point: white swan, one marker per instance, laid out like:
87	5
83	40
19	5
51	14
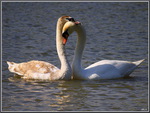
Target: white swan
105	69
44	70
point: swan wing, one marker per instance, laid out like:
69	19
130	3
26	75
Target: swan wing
109	69
33	69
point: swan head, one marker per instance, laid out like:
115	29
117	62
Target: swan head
63	19
68	29
60	24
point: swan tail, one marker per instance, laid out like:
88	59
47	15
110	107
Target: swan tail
12	67
136	64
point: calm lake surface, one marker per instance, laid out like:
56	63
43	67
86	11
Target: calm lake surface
115	30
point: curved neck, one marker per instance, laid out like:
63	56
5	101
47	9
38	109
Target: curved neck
65	67
77	66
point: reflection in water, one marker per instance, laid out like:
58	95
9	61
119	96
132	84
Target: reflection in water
77	95
61	95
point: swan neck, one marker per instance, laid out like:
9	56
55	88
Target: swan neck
79	48
65	67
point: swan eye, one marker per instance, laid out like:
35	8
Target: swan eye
70	19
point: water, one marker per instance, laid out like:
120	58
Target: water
115	30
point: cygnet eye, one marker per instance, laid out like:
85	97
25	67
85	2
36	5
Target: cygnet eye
70	19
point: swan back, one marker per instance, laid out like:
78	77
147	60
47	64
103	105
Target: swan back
110	69
33	69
